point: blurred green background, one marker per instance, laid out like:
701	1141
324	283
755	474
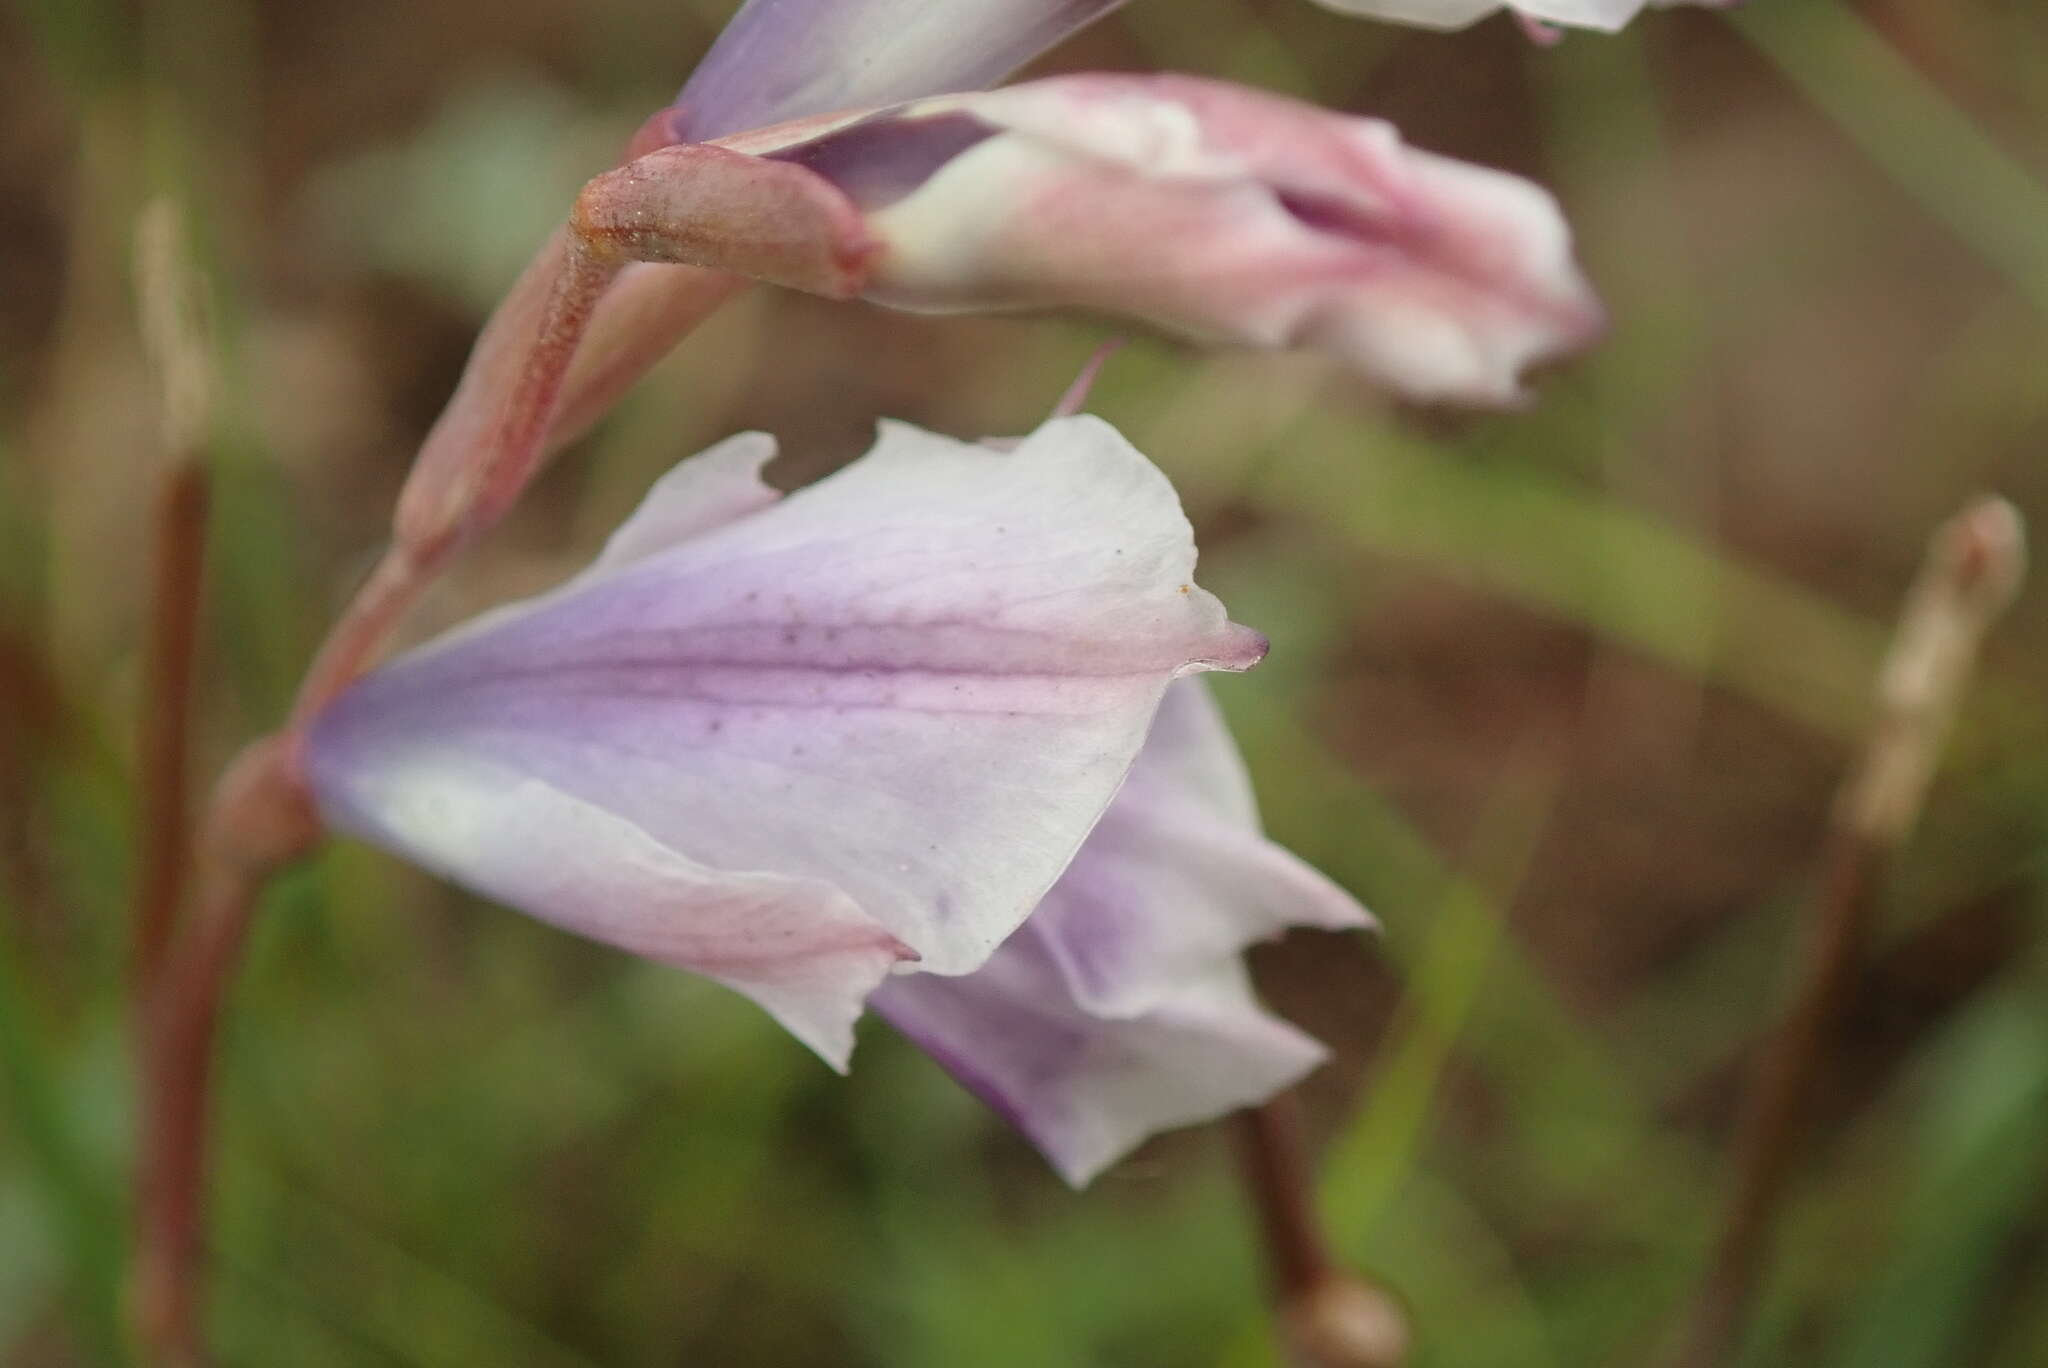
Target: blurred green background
1562	694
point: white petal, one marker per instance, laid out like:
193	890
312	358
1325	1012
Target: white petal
719	485
799	947
1604	15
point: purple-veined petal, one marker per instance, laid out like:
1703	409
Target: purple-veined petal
787	59
915	685
1217	212
1086	1089
1122	1008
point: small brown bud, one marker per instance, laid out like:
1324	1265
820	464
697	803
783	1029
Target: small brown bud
1346	1322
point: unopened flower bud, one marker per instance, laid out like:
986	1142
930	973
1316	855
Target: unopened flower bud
1213	212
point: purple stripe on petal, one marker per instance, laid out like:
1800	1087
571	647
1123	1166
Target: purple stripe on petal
913	686
788	59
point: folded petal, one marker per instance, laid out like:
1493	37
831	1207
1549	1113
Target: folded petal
917	682
1122	1007
1177	876
1086	1089
1216	212
786	59
799	947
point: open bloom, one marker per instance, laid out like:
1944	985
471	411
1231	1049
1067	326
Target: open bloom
797	743
1122	1007
1203	208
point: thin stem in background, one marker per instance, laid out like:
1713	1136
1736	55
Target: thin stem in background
1973	569
164	743
174	336
178	1057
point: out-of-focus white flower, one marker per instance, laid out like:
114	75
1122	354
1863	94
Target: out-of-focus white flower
1608	16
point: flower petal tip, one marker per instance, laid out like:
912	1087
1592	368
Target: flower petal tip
1239	649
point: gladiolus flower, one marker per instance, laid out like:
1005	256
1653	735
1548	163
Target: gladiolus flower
796	743
1122	1007
1206	209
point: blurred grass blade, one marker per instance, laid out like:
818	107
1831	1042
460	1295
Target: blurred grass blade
1905	125
1372	1156
1538	539
76	1196
1986	1129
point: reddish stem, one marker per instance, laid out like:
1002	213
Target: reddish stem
177	1096
1273	1154
438	516
164	745
1775	1117
1972	570
261	819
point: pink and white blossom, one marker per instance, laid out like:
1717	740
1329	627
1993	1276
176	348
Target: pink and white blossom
1211	211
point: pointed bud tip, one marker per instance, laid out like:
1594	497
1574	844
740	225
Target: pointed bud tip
1986	545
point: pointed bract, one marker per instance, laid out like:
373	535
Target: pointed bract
1122	1007
790	743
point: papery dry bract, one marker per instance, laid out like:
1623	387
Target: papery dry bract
1122	1007
793	743
1216	212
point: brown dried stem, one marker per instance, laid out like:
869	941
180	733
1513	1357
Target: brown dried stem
178	1067
1972	570
175	339
1278	1178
